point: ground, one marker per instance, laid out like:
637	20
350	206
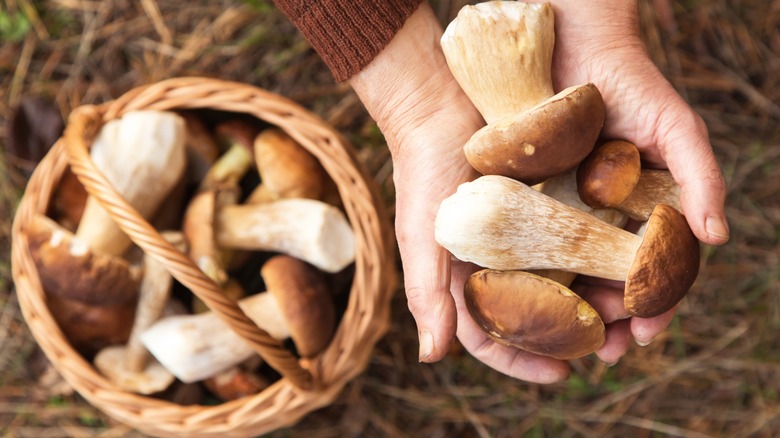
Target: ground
714	372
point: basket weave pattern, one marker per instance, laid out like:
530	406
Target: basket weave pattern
302	388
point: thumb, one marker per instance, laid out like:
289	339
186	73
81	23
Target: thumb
426	267
682	139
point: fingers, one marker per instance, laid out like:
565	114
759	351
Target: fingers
426	277
646	329
682	138
617	343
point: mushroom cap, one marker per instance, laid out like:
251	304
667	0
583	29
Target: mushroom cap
152	379
665	266
608	175
533	313
542	141
286	168
91	328
303	300
69	268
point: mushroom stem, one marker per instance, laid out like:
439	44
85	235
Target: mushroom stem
499	223
195	347
142	147
655	186
501	55
304	228
153	298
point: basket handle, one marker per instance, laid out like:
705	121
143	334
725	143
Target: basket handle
83	123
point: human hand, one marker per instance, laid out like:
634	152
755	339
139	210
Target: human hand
599	42
426	119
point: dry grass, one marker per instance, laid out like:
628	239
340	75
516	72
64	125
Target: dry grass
715	372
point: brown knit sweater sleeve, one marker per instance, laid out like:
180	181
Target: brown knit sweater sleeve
348	34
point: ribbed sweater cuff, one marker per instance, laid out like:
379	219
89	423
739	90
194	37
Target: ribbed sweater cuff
348	34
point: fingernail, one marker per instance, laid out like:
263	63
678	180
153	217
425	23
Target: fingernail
717	227
426	346
643	343
610	364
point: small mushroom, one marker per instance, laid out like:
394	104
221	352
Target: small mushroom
499	223
139	149
297	305
130	366
533	313
310	230
501	55
611	177
288	170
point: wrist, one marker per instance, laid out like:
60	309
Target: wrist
409	83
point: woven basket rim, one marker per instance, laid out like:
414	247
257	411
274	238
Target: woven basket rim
364	322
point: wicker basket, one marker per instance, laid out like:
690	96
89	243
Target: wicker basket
303	386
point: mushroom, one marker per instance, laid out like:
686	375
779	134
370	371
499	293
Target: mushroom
501	55
130	366
533	313
201	146
499	223
311	230
611	176
296	305
70	269
141	148
288	170
536	311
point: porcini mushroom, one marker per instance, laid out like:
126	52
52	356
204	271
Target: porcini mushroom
130	366
297	305
70	269
311	230
288	170
501	55
499	223
611	176
138	149
533	313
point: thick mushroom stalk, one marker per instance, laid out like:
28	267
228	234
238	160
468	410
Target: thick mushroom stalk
297	305
500	53
139	149
130	366
611	176
499	223
310	230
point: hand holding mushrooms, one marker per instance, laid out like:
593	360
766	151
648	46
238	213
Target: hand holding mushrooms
592	42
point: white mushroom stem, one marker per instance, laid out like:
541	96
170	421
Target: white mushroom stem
195	347
500	52
563	188
143	156
310	230
655	186
499	223
129	366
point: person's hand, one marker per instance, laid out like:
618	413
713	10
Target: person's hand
426	119
599	42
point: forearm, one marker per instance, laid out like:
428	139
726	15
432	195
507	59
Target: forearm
409	81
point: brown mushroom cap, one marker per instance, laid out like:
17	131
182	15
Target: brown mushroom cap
69	268
608	175
533	313
543	141
304	301
665	267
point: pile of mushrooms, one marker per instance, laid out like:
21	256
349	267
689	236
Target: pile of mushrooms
253	209
554	198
